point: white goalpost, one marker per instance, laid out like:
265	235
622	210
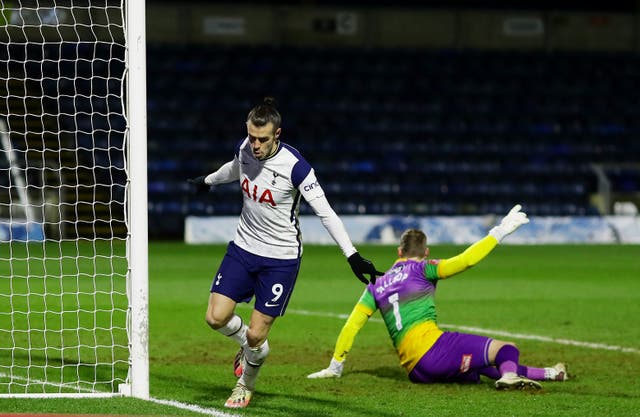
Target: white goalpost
73	199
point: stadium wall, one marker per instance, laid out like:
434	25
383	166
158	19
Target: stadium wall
440	229
372	26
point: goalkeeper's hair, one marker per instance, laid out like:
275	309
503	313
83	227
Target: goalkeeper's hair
265	113
413	243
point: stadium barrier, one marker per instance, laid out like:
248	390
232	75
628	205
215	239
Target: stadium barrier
440	229
20	231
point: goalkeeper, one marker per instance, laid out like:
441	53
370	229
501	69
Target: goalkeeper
405	297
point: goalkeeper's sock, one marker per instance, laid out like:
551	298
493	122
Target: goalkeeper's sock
235	329
555	373
537	374
507	359
254	358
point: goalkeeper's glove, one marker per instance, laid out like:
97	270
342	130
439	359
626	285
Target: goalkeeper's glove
200	185
333	371
509	223
361	266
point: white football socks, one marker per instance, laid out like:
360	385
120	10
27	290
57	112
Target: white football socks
235	329
550	374
254	358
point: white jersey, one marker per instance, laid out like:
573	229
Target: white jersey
271	189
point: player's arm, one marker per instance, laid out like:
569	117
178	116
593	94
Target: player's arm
228	172
357	319
314	195
471	256
476	252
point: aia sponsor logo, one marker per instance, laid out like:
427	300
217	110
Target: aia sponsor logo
465	365
254	193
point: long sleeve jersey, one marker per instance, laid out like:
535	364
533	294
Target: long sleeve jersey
272	188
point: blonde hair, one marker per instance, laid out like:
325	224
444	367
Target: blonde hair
413	243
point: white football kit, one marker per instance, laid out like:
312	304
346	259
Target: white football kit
271	189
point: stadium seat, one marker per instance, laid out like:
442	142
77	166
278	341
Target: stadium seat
398	131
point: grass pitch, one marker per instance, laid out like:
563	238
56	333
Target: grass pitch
577	304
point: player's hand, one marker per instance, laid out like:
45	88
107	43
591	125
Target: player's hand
514	219
333	371
200	185
361	266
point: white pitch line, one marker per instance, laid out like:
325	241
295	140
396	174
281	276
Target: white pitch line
78	388
191	407
88	393
547	339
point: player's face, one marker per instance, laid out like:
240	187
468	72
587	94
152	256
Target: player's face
264	139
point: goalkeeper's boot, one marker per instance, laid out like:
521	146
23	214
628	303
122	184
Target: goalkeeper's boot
560	372
240	397
238	363
512	381
325	373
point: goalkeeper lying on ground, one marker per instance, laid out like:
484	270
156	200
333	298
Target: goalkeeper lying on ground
405	297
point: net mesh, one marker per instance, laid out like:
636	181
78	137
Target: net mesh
63	228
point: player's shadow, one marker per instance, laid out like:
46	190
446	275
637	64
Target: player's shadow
297	406
398	374
389	372
203	392
213	395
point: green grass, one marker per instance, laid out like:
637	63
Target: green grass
584	293
84	280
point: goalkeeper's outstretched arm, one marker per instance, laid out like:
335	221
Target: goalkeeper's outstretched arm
476	252
357	319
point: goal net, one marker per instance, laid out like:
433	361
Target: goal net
73	279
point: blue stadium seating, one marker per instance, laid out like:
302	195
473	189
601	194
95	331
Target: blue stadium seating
403	131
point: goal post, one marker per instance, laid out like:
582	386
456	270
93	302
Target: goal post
138	254
74	282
